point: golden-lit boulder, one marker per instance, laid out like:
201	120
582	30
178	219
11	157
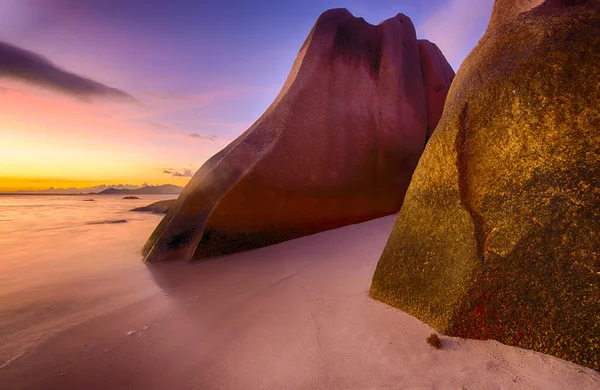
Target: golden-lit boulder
499	234
338	145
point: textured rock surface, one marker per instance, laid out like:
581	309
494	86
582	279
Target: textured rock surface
338	145
499	235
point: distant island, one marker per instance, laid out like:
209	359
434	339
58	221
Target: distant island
166	189
160	207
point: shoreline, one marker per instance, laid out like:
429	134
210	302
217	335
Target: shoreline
295	315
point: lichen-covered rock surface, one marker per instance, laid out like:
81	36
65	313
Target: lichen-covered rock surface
499	234
338	145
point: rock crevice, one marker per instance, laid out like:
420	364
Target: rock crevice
462	165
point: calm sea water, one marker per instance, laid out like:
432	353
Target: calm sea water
64	260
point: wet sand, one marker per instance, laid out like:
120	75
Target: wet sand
291	316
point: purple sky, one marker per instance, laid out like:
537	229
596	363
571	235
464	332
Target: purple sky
205	67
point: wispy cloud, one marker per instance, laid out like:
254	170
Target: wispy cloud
457	27
207	137
25	65
167	96
159	125
158	104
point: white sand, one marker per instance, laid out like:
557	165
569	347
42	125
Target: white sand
291	316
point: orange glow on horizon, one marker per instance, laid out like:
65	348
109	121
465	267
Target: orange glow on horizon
51	140
8	184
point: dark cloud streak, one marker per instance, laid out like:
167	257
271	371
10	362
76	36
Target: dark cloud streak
28	66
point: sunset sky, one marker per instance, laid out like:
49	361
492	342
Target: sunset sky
138	91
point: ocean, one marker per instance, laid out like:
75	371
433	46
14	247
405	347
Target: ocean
64	260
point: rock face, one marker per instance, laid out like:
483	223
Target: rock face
338	145
499	234
437	75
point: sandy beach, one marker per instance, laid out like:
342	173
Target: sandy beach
291	316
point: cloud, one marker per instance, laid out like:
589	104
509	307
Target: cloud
457	27
185	173
211	138
28	66
159	125
168	172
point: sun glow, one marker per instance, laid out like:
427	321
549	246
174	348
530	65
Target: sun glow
49	140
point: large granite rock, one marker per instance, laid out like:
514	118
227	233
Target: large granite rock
499	234
337	146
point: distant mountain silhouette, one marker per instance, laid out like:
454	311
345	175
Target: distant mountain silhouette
167	189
